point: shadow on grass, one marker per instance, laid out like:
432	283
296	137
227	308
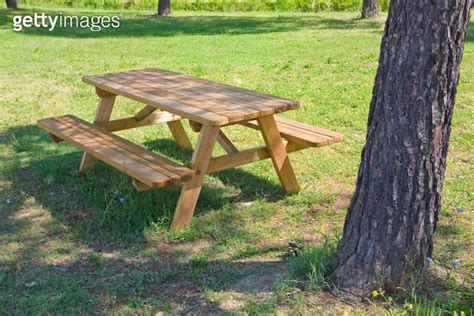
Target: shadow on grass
250	185
89	276
138	26
43	176
448	229
89	202
470	31
95	283
437	295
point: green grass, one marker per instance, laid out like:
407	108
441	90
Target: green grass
68	247
214	5
310	267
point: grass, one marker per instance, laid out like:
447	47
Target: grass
310	267
68	247
215	5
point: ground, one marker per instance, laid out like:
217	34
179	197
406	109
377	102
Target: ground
67	246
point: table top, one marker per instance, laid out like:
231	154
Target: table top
200	100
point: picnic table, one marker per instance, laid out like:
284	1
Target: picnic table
170	97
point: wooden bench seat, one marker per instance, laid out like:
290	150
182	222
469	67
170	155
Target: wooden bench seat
148	169
300	133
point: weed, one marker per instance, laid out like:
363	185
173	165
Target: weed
310	267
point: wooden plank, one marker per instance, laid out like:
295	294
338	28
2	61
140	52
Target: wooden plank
178	108
161	164
103	93
161	88
158	164
226	143
223	95
131	122
190	191
297	135
208	95
140	186
103	113
179	134
71	124
251	96
277	152
233	97
161	73
145	112
238	159
116	158
55	138
247	156
292	147
234	113
195	126
314	129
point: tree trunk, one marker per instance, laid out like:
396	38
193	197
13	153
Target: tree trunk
12	4
164	7
388	231
370	9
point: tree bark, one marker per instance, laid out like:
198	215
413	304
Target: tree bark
370	9
164	7
388	231
12	4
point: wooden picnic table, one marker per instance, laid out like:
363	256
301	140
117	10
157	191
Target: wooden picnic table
170	97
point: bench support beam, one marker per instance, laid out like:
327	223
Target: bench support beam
247	156
140	186
55	138
175	126
226	143
131	122
222	138
145	112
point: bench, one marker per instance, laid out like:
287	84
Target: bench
300	133
148	169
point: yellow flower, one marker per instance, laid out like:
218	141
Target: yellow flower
409	306
375	293
462	313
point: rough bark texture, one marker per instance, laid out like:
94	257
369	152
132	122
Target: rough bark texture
12	4
370	9
393	214
164	7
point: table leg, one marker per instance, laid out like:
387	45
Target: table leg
278	153
103	113
190	191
